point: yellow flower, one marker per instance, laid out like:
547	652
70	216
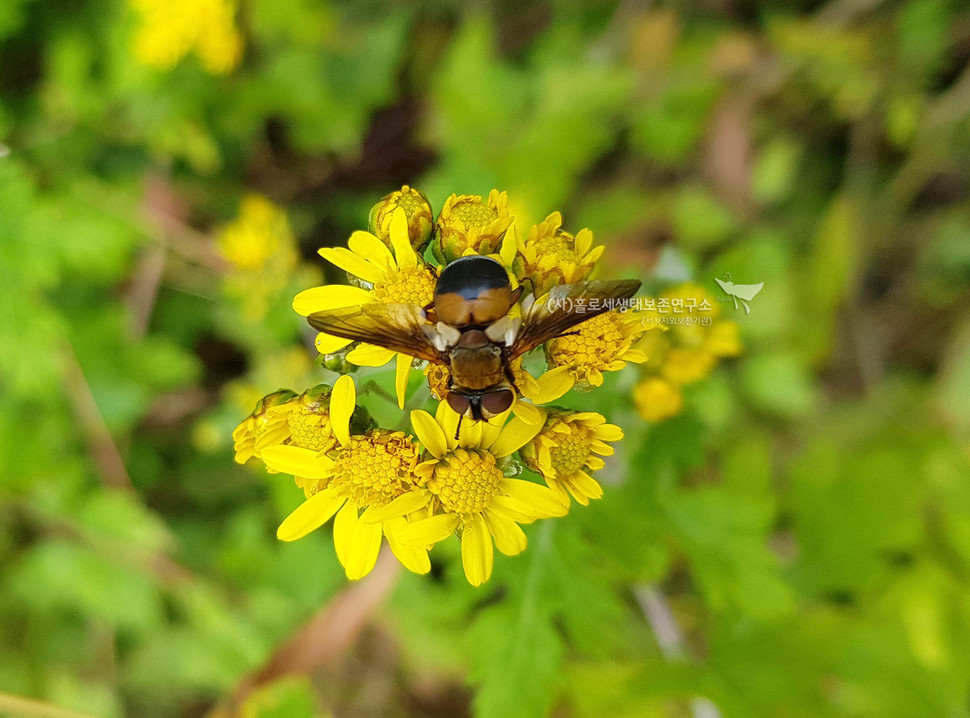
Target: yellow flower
260	233
657	399
549	257
400	277
367	471
565	447
256	425
466	491
688	352
417	209
261	251
467	223
603	343
168	30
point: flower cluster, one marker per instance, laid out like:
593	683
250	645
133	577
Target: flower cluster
260	250
686	353
168	31
442	475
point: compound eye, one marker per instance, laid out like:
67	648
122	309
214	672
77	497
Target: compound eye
495	402
459	402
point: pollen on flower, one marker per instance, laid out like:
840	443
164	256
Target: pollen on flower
310	429
376	467
465	481
598	345
474	214
406	286
438	376
572	451
467	222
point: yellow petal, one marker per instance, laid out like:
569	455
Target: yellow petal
529	413
369	355
510	508
414	559
581	485
343	399
401	378
428	532
510	244
476	550
510	539
328	344
634	355
332	296
447	418
471	433
553	384
608	432
357	542
406	258
371	248
352	264
594	255
429	433
601	447
296	461
516	434
584	240
311	514
492	428
530	498
272	437
406	503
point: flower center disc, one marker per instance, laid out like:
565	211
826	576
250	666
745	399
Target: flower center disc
407	286
465	481
473	214
376	468
571	453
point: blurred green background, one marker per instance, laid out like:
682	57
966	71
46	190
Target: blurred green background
795	543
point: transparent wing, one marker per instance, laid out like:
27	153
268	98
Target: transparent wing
398	327
568	305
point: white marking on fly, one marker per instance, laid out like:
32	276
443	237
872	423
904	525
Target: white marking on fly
504	330
448	336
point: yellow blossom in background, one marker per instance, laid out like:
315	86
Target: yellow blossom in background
657	399
548	257
168	30
695	341
381	275
260	249
566	448
466	222
466	491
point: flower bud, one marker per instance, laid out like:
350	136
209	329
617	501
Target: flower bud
468	223
418	211
549	256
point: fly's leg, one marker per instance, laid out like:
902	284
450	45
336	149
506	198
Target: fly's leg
511	377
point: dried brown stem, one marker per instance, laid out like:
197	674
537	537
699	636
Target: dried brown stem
101	445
